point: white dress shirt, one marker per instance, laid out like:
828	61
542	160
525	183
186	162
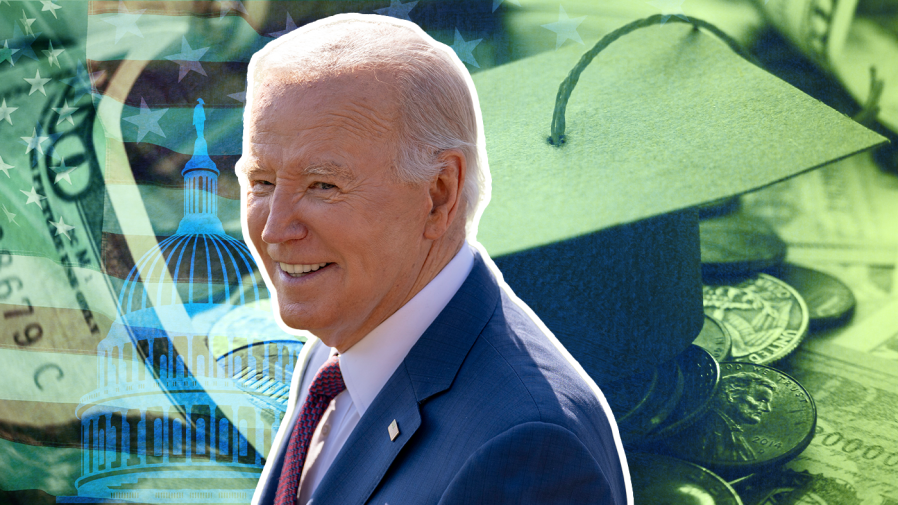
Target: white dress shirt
369	364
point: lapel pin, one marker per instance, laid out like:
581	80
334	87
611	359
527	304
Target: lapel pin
394	430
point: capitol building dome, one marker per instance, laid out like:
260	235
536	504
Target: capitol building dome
172	420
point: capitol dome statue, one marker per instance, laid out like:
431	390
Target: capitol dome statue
192	379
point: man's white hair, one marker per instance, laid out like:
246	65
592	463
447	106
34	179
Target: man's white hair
439	109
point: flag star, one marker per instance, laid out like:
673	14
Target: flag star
240	97
10	215
62	173
125	22
228	6
22	44
291	25
50	6
62	228
65	113
397	9
565	28
188	59
464	50
84	83
6	112
35	141
37	83
5	167
147	121
496	3
53	55
6	53
27	22
33	197
669	8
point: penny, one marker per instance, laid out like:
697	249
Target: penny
715	339
766	318
662	480
759	417
830	302
700	373
736	244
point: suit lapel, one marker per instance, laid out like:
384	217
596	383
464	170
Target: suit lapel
429	368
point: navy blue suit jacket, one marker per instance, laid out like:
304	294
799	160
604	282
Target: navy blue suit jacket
489	411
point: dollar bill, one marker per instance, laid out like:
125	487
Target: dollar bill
847	37
853	457
841	213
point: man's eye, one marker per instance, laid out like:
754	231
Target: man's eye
323	185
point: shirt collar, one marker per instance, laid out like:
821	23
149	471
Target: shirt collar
369	364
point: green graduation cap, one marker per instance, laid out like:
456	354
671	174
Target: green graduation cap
596	230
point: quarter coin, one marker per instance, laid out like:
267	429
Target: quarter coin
766	318
715	339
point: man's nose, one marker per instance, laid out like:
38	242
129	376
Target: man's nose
284	222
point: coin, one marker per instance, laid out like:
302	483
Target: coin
657	407
766	318
700	373
737	244
642	401
628	395
759	417
830	302
662	480
715	339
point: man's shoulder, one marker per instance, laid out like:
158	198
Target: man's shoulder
534	372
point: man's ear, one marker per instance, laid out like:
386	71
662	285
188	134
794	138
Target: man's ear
445	194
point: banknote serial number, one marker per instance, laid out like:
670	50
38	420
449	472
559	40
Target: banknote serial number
32	332
835	440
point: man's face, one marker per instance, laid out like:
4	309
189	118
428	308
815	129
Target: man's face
748	407
321	196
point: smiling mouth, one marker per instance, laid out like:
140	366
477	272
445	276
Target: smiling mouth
300	270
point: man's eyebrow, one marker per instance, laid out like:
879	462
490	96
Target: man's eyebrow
328	169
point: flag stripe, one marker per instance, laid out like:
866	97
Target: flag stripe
153	165
155	78
225	39
31	327
223	133
33	423
165	208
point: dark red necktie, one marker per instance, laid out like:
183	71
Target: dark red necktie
328	383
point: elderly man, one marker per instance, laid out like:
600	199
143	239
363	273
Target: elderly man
429	381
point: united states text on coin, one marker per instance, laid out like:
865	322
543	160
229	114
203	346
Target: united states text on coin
758	417
766	318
